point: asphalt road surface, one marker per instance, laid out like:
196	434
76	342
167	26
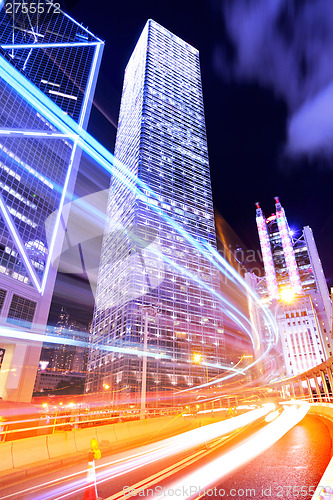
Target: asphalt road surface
289	469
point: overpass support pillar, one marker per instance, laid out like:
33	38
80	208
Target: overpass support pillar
18	371
315	377
323	378
301	390
330	378
309	389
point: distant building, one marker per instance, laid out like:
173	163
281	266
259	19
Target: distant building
47	380
296	291
48	66
66	357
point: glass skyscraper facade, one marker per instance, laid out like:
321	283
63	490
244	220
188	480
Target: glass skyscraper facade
49	65
149	270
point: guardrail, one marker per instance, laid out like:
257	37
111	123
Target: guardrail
24	453
51	422
316	384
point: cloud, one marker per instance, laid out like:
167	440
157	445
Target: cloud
311	127
287	46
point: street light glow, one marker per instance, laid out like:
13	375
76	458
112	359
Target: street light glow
287	294
197	358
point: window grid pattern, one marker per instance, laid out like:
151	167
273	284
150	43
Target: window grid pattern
33	168
61	73
21	311
32	174
2	297
162	139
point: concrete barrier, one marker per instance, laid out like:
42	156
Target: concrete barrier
122	431
322	409
6	461
61	444
82	438
28	451
106	435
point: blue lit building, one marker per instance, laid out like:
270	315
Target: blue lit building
148	271
50	62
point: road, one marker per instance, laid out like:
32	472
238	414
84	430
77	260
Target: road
298	459
290	468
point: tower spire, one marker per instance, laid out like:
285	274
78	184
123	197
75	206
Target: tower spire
287	247
267	256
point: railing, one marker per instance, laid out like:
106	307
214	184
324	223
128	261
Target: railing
316	384
60	419
50	422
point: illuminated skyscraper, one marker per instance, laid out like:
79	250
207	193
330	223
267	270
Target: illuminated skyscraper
296	288
48	63
145	261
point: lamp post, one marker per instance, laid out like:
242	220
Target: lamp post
106	388
144	369
198	358
152	310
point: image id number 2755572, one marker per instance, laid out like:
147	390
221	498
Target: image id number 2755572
46	7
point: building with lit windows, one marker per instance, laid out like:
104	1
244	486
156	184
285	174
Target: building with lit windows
148	270
295	287
70	356
49	65
59	382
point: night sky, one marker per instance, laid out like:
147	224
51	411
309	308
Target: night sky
267	79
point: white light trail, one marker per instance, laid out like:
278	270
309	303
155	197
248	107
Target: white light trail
208	475
153	453
106	160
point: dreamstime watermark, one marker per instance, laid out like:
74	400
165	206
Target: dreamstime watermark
244	261
85	231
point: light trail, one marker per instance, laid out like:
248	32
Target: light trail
222	264
40	337
167	447
226	377
106	160
52	339
206	476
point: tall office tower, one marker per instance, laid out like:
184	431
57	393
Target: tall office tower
297	290
49	65
146	262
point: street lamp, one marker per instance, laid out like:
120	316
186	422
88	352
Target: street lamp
106	387
287	294
198	358
154	311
